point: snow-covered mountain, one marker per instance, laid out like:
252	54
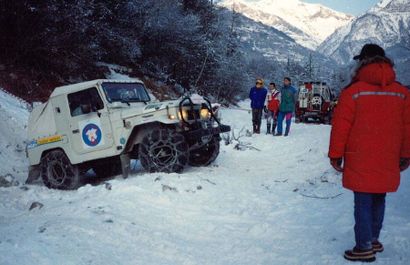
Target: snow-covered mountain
386	24
309	24
272	53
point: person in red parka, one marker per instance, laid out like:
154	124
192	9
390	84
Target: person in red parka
371	138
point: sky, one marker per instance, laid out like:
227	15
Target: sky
354	7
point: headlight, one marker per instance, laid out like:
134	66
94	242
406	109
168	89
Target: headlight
204	113
183	114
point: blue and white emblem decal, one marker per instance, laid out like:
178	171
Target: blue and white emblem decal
92	135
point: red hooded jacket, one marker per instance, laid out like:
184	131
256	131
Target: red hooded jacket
371	129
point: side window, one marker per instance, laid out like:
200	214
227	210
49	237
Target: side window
84	102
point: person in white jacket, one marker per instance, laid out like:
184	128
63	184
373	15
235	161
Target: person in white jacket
272	108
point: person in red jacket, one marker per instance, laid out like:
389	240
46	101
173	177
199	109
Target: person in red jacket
272	108
371	138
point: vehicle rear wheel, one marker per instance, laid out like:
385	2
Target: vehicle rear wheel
57	171
109	169
205	155
298	119
163	150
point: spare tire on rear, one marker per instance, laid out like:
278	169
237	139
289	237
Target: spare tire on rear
163	150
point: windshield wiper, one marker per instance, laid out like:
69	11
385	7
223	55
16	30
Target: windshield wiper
126	102
139	100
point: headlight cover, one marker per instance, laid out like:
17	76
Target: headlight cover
183	114
204	113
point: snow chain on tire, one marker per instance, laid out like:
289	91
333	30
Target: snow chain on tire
57	171
205	155
163	150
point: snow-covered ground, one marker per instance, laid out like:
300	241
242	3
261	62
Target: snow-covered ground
250	207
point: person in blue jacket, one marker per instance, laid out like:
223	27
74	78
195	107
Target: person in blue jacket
287	106
258	96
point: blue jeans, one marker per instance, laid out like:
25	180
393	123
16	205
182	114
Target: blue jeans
368	215
281	117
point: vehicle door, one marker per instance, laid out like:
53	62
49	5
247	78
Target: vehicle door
89	124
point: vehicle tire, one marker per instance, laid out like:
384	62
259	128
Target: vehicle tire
110	169
163	150
317	102
297	119
57	171
205	155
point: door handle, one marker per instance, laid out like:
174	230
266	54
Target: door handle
76	131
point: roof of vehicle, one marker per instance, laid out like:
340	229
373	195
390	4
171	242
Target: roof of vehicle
63	90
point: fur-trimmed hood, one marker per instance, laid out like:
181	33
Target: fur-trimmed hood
375	71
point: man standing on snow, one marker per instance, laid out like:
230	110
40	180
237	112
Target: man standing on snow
371	134
257	96
272	108
287	106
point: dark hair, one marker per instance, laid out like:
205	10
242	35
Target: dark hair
272	83
288	78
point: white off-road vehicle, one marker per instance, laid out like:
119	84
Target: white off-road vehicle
103	124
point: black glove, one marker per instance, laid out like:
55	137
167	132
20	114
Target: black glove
265	109
337	164
404	163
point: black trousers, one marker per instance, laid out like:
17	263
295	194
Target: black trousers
257	117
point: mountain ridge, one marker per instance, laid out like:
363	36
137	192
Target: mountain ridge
385	24
309	24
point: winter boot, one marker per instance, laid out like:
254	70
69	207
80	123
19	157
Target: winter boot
268	128
258	129
254	128
273	128
377	247
360	255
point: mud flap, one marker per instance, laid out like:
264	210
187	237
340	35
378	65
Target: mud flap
34	173
125	165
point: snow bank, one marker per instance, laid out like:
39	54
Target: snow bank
249	207
13	119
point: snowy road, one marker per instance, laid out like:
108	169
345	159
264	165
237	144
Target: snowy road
250	207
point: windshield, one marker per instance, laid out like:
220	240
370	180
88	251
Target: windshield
125	92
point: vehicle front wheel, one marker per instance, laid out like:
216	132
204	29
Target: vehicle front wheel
57	171
163	150
205	155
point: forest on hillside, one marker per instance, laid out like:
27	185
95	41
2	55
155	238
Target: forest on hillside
176	43
172	45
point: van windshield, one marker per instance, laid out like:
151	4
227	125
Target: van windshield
125	92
